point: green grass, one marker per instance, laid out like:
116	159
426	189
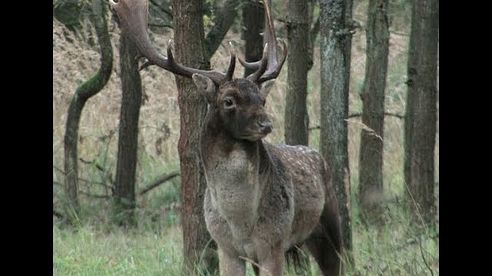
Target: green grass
93	251
390	250
398	247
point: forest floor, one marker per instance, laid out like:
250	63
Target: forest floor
396	248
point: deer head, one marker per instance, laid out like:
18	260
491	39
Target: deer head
238	102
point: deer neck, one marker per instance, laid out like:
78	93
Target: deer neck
233	169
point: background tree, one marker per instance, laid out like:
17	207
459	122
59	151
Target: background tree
223	22
298	34
335	46
421	109
85	91
126	166
253	23
189	35
68	12
371	145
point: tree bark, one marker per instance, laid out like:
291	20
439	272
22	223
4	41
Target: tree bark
254	21
126	166
190	51
335	40
421	109
88	89
371	146
298	34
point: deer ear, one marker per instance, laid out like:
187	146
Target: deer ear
266	87
205	86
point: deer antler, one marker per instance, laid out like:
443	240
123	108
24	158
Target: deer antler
268	67
133	18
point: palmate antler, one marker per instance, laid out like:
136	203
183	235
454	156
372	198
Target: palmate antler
133	18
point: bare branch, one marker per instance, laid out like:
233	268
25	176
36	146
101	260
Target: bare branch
59	170
423	257
80	179
93	195
398	33
160	25
99	167
159	181
354	115
399	116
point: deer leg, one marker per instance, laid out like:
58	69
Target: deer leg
325	252
272	263
230	265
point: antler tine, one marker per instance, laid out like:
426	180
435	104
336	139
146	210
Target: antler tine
232	63
249	65
262	66
273	66
274	70
133	17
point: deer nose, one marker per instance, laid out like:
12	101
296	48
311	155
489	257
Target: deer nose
265	126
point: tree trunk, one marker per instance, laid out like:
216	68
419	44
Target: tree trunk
335	37
254	21
224	20
421	109
126	166
298	33
82	94
371	145
190	51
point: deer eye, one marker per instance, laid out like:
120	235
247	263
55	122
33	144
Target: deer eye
229	103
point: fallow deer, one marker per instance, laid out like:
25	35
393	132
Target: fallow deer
262	201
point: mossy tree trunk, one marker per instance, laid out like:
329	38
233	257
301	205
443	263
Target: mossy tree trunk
126	165
85	91
371	145
335	40
421	110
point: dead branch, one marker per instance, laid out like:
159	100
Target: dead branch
158	182
93	195
354	115
87	162
399	116
423	257
81	179
398	33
